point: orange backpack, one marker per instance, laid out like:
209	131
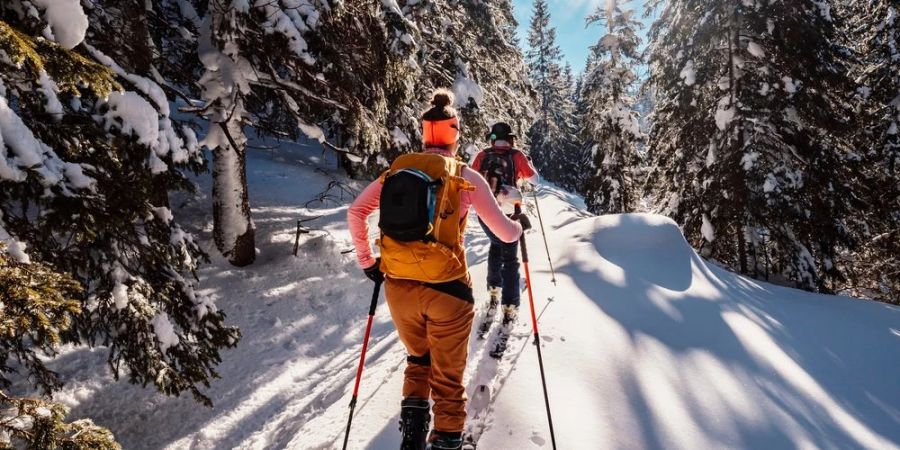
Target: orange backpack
434	253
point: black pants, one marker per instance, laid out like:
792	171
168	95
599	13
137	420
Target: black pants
503	267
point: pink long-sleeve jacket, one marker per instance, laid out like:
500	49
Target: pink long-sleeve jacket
481	199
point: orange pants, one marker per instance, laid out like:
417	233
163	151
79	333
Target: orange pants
436	326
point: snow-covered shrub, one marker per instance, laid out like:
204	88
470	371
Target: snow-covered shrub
38	424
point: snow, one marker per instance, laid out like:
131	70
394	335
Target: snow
120	295
165	332
154	129
707	230
67	21
163	213
790	86
13	246
465	88
400	138
292	20
15	136
724	114
824	9
76	177
749	160
711	154
688	74
133	114
770	184
645	344
756	50
30	153
864	91
49	89
311	131
626	118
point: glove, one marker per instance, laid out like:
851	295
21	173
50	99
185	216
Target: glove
374	272
523	219
509	194
508	198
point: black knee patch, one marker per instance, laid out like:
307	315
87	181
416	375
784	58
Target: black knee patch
424	360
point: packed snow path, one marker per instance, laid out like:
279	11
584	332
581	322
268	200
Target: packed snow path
646	345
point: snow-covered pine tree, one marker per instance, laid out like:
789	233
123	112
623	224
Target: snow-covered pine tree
85	146
356	75
38	304
749	135
551	136
874	29
611	129
572	157
471	49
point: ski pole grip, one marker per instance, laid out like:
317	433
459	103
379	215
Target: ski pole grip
518	212
374	298
524	249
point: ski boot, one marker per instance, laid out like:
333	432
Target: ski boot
495	297
414	421
494	301
446	441
510	312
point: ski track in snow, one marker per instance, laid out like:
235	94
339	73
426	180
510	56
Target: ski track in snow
645	344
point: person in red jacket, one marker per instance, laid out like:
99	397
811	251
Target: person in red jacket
503	166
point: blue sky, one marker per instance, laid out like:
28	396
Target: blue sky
567	16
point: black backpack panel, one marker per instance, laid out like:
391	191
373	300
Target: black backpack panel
498	169
407	205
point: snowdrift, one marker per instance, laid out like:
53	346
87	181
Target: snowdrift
646	345
652	347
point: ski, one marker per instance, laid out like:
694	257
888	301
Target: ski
500	344
467	444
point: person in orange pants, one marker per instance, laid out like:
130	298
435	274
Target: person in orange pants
436	327
423	266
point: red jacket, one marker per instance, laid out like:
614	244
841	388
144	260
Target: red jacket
524	169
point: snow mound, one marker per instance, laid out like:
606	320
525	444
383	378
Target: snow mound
647	345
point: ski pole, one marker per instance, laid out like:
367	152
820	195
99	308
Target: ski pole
362	360
543	233
537	339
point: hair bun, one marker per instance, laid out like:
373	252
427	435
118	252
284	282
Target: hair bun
442	98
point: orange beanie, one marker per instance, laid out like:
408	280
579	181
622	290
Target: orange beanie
440	125
440	132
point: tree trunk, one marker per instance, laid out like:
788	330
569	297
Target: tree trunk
232	228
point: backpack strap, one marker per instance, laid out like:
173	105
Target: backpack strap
453	179
511	160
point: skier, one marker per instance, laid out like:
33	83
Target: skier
503	166
424	200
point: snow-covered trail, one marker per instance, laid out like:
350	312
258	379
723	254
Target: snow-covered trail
646	345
